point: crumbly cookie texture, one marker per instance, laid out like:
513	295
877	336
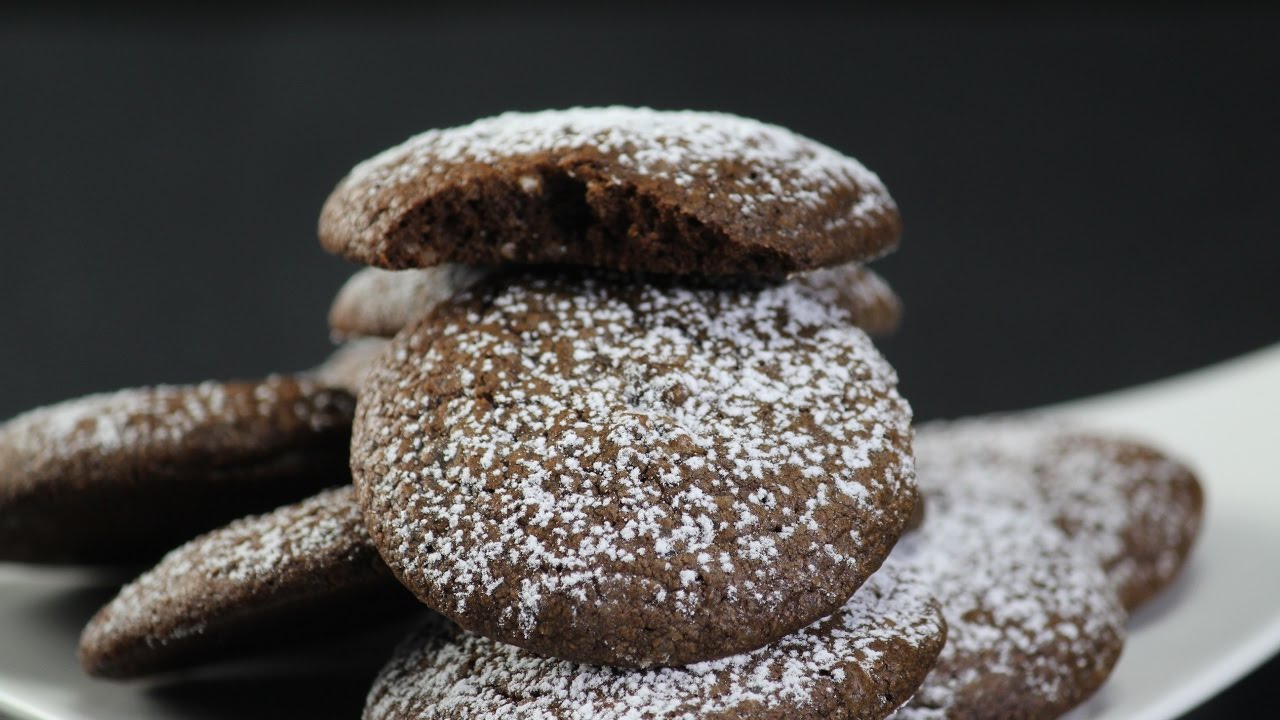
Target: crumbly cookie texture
634	473
1034	627
1132	507
292	568
616	187
378	303
122	477
861	662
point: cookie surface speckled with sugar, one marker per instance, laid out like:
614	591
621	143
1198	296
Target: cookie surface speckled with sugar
1135	509
872	305
303	569
377	303
614	187
1033	625
633	473
125	476
861	663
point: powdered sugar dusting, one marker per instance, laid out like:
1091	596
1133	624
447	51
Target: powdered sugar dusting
838	666
377	302
124	422
209	578
870	301
111	421
626	188
1130	506
683	148
1031	617
680	442
852	285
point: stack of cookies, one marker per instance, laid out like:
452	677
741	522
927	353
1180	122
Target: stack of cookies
631	443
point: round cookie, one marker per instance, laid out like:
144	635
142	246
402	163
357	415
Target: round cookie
1135	509
122	477
614	187
377	303
303	568
862	662
1033	627
633	473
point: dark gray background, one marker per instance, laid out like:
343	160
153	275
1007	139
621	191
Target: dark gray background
1090	195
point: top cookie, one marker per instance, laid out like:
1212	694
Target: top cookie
624	188
633	474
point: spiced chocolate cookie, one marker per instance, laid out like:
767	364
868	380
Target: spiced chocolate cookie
633	473
123	477
304	567
861	662
615	187
377	303
1033	626
871	303
1135	509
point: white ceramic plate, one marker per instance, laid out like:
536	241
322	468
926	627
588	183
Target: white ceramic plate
1220	620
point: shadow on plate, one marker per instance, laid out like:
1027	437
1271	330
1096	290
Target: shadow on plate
60	617
318	695
326	678
44	613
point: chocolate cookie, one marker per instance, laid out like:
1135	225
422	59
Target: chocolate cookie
307	567
1033	627
633	473
871	303
1128	504
347	367
123	477
616	187
862	662
378	303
